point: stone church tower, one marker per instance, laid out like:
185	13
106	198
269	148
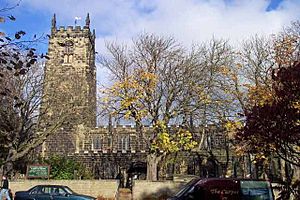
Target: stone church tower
70	84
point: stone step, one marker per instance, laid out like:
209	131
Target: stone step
124	194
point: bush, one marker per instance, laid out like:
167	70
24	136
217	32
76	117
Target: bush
63	168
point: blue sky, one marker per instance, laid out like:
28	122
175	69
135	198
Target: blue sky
188	21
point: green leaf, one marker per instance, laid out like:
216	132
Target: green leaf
23	71
5	54
3	61
12	18
30	53
32	61
19	65
17	36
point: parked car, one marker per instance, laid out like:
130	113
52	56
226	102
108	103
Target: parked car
225	188
50	192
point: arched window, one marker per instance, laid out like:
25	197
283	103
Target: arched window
124	143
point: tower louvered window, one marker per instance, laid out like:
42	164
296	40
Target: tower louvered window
69	49
98	143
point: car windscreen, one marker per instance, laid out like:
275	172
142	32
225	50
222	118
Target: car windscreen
256	190
35	190
187	187
69	191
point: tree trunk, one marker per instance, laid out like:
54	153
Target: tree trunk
226	167
6	168
173	164
152	163
1	171
200	159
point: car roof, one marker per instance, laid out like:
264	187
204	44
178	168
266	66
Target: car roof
234	179
230	182
49	185
198	180
52	185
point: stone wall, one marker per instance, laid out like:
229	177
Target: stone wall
105	188
143	189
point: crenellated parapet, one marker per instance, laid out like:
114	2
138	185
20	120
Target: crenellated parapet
125	138
84	37
65	31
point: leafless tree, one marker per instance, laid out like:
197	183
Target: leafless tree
163	96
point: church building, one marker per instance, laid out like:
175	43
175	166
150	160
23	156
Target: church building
70	84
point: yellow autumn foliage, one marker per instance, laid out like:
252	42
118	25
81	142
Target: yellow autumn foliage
259	95
232	127
129	94
225	70
296	105
284	48
170	143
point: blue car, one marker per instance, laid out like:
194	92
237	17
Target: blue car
50	192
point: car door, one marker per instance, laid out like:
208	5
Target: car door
40	193
32	193
60	194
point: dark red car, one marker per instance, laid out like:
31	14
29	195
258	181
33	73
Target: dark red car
225	189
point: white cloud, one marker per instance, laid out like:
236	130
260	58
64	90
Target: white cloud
186	20
189	21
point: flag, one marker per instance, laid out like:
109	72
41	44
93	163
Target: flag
76	19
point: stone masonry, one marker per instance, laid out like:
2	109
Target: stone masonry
70	83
